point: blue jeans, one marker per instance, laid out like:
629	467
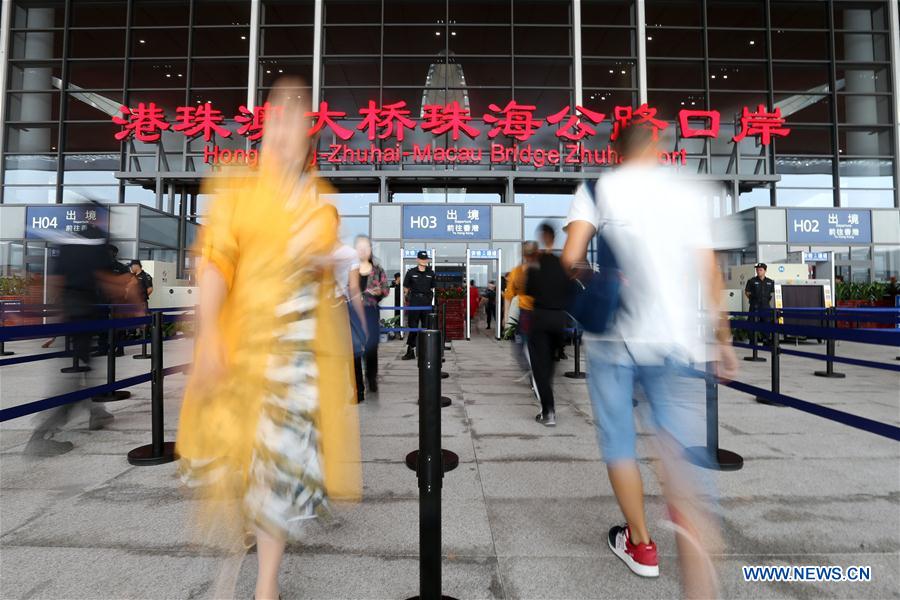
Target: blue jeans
676	401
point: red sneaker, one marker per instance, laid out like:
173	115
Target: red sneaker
640	558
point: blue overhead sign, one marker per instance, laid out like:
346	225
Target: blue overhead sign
45	221
457	222
829	226
484	254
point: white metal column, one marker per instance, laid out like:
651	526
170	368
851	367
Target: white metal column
576	47
498	300
317	54
5	24
468	295
253	56
894	19
642	51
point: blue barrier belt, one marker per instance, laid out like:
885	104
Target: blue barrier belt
24	332
387	329
32	407
838	416
406	307
884	337
63	354
840	359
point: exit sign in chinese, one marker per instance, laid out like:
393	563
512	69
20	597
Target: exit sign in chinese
447	222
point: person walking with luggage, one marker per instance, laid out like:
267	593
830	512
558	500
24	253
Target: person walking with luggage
418	286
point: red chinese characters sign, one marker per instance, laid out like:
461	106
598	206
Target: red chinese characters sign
507	126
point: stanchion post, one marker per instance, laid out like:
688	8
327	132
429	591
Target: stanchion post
431	322
430	465
711	456
754	343
158	451
144	355
112	348
443	322
776	363
831	323
3	350
446	342
576	343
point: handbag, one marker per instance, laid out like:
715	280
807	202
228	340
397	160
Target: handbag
595	292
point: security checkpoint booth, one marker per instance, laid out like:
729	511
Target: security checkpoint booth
483	256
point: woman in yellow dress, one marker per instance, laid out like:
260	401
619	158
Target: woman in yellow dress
267	423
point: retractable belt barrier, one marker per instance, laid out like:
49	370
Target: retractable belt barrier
403	329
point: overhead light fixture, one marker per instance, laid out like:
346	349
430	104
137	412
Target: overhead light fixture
243	37
611	71
623	72
752	42
438	33
452	33
649	38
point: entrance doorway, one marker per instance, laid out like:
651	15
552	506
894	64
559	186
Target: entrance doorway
483	270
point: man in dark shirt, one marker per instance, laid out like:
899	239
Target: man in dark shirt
547	284
144	280
418	285
759	291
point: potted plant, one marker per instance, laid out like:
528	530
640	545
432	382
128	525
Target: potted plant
391	323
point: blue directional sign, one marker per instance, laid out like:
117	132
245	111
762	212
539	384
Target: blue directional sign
456	222
484	254
41	221
829	225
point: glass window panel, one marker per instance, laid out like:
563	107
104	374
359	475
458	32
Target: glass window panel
430	41
677	75
738	76
105	163
415	11
37	45
349	100
29	14
287	12
545	205
287	41
806	140
674	12
97	43
863	78
33	108
350	71
481	40
155	13
604	41
802	171
227	101
542	40
861	141
478	11
168	100
772	253
609	73
736	43
221	12
96	74
33	76
789	77
887	262
351	203
92	107
31	139
158	73
735	13
867	198
92	137
864	110
669	103
531	224
860	253
547	102
480	101
860	15
270	70
731	104
405	71
800	15
98	13
671	43
484	71
605	101
352	11
536	72
541	12
170	41
754	197
219	73
811	109
861	47
221	41
351	227
607	12
30	170
799	45
866	172
90	175
799	197
15	194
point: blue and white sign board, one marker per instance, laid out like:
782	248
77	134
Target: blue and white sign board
829	226
809	257
484	254
412	253
455	222
45	221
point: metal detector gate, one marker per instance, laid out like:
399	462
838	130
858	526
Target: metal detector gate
405	256
482	255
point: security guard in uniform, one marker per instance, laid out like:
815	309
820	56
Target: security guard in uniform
759	291
418	287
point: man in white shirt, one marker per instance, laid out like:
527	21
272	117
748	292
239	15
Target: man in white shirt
657	228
